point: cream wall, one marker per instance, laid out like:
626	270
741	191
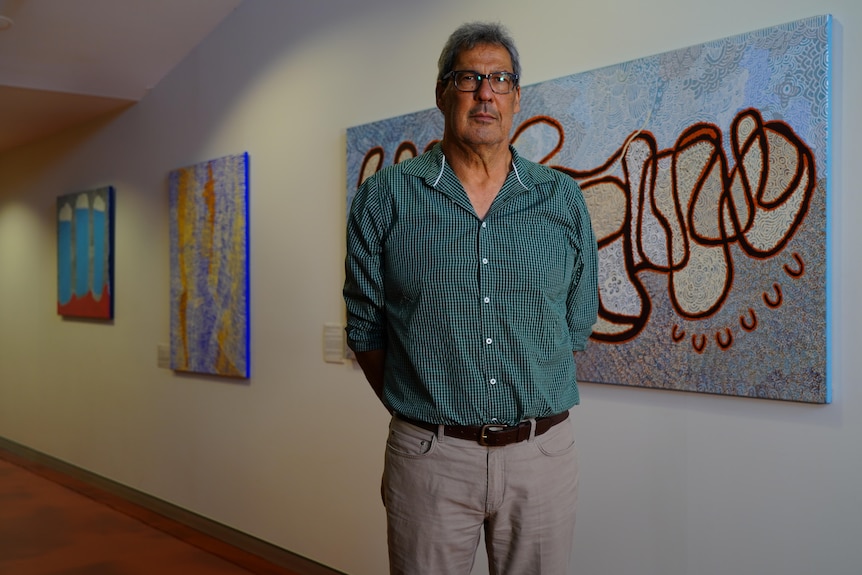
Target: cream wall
671	483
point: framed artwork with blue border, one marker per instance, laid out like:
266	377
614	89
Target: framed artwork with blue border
85	254
209	262
706	174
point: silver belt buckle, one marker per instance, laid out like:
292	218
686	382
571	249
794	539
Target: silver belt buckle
489	427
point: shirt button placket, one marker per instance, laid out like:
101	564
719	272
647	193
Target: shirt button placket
486	300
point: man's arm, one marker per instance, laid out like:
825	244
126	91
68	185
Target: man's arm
371	363
583	299
364	292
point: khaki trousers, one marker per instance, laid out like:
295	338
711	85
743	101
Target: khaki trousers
441	492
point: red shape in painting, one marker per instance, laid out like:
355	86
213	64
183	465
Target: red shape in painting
87	306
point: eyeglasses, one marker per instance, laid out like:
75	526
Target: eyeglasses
470	81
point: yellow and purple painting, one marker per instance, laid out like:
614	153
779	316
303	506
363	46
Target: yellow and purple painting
706	174
209	267
85	254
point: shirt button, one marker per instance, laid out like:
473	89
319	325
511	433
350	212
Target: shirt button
493	382
494	420
489	341
484	260
487	300
484	224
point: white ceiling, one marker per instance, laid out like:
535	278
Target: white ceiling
64	62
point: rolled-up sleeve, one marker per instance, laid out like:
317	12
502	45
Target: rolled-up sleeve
583	300
364	283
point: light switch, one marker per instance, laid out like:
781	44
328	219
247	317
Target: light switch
163	351
333	343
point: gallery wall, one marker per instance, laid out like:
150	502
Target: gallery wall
671	483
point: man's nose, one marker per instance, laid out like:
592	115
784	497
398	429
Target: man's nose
484	91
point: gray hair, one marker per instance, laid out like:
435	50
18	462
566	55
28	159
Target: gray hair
473	34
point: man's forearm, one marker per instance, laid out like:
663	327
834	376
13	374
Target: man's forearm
372	363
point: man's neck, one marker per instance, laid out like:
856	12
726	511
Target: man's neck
482	172
478	163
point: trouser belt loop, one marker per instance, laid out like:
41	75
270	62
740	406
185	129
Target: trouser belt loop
441	432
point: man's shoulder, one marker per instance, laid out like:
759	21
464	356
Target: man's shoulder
543	174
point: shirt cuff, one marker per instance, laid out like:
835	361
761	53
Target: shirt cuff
368	343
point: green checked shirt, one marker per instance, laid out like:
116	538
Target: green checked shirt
479	318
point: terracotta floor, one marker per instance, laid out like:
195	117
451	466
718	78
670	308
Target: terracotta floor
47	528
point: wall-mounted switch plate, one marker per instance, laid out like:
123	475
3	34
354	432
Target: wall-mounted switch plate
163	352
333	343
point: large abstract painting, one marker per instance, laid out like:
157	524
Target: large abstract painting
706	172
209	267
85	254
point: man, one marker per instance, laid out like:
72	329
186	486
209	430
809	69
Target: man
471	280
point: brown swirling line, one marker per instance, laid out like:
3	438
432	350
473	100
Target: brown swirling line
722	343
745	324
797	272
773	303
375	152
554	123
405	147
753	196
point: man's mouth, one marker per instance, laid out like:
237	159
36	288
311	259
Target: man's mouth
483	116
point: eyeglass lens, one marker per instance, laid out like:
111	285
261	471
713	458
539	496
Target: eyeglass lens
500	82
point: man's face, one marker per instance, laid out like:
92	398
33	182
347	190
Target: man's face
479	118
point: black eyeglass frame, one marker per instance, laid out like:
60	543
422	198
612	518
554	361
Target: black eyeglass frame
480	77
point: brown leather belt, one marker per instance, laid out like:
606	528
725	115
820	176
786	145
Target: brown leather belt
492	434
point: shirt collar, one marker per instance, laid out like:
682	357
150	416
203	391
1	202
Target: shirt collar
430	166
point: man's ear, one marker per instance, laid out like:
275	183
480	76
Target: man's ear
438	91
